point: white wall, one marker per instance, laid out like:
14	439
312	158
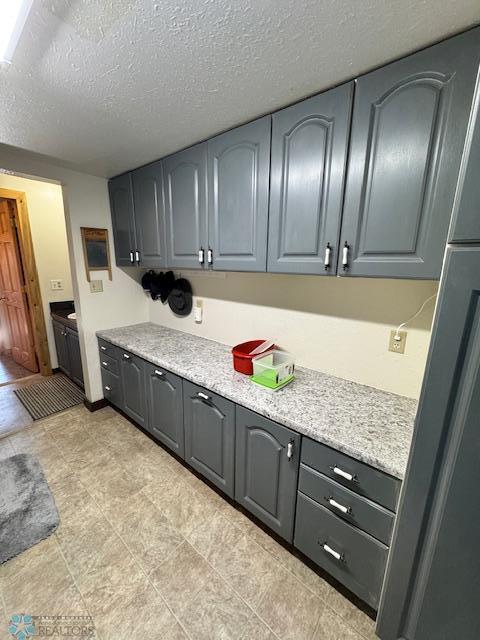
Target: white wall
337	325
86	205
49	236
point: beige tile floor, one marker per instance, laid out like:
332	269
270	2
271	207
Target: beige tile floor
150	551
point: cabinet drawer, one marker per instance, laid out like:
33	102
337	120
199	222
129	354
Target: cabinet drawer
109	363
349	506
108	349
351	556
112	388
355	475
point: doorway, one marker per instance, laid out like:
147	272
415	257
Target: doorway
23	336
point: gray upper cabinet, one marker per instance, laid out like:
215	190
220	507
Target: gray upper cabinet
408	128
266	470
309	149
238	184
186	207
123	220
149	216
132	374
165	408
210	436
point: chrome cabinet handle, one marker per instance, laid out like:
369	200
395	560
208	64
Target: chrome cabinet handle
343	474
107	388
201	255
290	450
328	254
103	348
132	260
137	257
203	396
158	373
209	256
328	549
126	356
345	256
105	364
332	502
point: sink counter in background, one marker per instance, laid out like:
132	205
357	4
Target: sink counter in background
368	424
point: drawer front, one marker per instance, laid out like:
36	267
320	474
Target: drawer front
112	388
110	364
351	556
108	349
355	509
351	473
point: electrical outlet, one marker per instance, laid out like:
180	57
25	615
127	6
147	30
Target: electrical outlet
397	345
96	286
56	285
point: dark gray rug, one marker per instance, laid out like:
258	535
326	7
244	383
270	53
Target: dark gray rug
28	513
51	395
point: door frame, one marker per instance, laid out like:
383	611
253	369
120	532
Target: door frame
32	284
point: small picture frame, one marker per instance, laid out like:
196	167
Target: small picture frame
96	250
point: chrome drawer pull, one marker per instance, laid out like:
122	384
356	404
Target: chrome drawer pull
328	253
126	356
344	474
159	373
105	364
332	502
290	450
201	255
132	261
338	556
107	388
103	348
345	256
203	396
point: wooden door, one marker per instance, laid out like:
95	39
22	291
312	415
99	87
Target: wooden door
309	155
12	290
267	457
123	221
186	207
149	215
210	436
408	129
238	183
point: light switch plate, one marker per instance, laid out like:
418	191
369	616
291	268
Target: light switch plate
96	286
397	346
56	285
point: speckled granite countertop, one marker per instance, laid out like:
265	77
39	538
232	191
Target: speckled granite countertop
368	424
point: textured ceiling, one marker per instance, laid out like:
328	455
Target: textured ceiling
108	86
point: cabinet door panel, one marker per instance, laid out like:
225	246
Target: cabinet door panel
210	436
73	346
309	148
238	174
408	127
149	215
165	408
186	206
60	335
132	370
265	476
121	205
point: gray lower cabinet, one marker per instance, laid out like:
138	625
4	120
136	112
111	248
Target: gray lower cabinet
123	219
266	470
112	388
185	176
68	352
149	208
309	152
132	375
60	335
408	128
238	184
210	435
165	407
353	557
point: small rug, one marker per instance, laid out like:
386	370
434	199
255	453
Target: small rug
51	395
28	513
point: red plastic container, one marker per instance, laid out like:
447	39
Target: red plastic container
242	360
